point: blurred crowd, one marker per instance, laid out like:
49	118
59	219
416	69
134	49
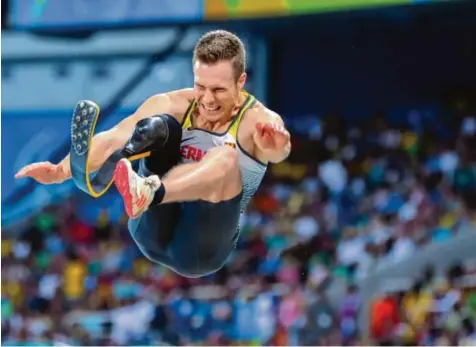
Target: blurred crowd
438	310
354	197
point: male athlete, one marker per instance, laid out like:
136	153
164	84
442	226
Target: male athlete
209	149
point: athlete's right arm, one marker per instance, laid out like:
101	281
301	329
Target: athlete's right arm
107	142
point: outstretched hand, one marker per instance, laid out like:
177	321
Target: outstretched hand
43	172
271	136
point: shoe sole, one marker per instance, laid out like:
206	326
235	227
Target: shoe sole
123	184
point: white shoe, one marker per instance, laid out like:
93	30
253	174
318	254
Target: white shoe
137	192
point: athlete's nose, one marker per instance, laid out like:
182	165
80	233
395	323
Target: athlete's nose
208	97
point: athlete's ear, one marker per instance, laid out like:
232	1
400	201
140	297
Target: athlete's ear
242	81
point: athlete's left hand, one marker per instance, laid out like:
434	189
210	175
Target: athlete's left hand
270	136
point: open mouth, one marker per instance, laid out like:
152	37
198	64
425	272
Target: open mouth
211	108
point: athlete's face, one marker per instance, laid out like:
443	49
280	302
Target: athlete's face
216	90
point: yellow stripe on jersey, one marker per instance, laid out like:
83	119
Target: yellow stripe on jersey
187	121
233	131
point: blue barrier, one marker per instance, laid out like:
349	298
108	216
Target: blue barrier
60	14
34	136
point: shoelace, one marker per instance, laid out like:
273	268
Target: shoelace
151	182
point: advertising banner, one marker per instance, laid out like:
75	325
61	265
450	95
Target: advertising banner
219	9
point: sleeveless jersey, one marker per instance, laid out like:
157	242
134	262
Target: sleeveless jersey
196	142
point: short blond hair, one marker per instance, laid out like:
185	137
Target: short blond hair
221	45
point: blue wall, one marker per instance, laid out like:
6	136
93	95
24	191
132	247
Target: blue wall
356	68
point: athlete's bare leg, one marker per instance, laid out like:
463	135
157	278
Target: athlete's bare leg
215	178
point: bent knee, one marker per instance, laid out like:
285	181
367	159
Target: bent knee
192	263
226	182
226	155
225	160
197	272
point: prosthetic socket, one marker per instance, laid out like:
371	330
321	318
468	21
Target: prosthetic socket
149	134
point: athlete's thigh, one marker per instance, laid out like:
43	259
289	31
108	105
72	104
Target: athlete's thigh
206	235
154	230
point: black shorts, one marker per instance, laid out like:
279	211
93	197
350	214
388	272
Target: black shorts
192	238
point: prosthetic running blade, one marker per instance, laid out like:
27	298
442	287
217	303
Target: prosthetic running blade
83	125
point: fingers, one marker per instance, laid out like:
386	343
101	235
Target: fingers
29	169
260	128
272	129
20	174
24	171
280	130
